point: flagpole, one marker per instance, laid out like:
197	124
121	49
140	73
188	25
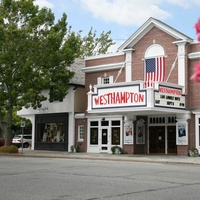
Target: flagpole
172	67
119	72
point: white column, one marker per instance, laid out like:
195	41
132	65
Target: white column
32	119
150	97
197	124
89	106
71	131
71	120
128	62
181	63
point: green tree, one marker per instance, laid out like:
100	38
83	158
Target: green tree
36	54
93	45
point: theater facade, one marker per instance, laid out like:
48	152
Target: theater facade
141	98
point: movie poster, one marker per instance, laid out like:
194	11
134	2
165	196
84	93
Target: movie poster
182	134
128	137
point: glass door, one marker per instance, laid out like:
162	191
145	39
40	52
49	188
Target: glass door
104	139
157	139
171	139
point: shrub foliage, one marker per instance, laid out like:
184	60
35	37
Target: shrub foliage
9	149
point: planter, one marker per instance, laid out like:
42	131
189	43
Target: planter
116	150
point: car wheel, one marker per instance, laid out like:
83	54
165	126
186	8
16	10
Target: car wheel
26	145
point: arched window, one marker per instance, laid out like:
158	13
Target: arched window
154	65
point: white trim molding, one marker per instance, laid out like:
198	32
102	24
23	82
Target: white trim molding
102	67
194	55
104	56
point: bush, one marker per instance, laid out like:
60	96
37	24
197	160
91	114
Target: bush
193	152
116	150
76	148
9	149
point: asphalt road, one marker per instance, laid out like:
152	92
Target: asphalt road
62	179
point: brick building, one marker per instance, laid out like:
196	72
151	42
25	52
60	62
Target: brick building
141	98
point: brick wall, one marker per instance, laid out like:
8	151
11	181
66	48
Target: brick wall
182	150
129	148
103	61
161	38
83	145
156	36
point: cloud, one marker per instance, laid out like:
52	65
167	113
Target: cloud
125	12
129	12
183	3
44	3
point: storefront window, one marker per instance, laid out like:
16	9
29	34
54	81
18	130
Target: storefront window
104	123
115	135
94	123
116	123
50	132
94	136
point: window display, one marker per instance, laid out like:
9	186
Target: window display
50	132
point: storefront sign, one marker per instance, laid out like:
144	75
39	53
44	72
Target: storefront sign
169	97
182	133
118	97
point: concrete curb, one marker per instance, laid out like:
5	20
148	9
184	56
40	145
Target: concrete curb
127	158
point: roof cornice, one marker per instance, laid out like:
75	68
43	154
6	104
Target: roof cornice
104	56
146	27
102	67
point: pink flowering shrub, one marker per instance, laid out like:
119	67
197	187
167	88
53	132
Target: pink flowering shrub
196	75
197	27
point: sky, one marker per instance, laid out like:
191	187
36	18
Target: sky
124	17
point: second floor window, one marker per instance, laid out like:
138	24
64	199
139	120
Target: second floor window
106	80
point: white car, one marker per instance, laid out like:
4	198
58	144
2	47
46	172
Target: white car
17	141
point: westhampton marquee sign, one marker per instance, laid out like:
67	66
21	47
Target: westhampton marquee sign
170	97
122	96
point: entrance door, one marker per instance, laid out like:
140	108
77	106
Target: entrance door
171	143
104	140
157	139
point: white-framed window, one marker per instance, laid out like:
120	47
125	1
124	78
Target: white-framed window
80	133
105	80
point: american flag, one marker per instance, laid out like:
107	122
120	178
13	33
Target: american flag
155	70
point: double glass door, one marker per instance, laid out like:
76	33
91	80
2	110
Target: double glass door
157	139
110	136
159	142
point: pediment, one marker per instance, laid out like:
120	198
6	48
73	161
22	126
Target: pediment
146	27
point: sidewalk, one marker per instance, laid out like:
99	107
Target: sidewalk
121	157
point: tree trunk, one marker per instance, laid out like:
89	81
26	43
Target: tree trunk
8	128
6	124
